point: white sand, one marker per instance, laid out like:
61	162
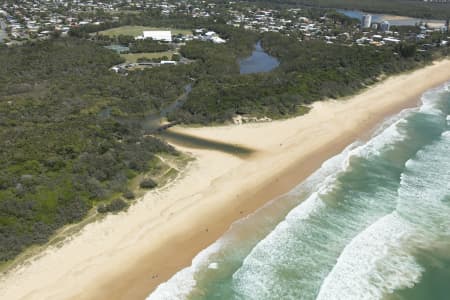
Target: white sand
117	257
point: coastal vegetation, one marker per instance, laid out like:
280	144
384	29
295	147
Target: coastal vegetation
82	128
149	45
115	205
148	183
148	56
74	134
308	71
70	134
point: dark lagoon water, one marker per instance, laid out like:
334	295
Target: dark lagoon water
258	62
372	223
378	18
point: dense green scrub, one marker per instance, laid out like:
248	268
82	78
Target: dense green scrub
309	71
70	133
73	132
148	46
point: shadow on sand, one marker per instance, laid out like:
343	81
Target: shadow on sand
190	141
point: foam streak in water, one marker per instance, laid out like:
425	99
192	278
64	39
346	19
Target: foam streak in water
354	236
381	259
373	263
183	283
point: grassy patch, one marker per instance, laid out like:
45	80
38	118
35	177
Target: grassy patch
132	57
137	30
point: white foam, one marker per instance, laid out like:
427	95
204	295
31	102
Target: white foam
429	100
183	282
327	172
387	134
213	265
306	208
424	185
380	259
377	261
374	263
386	138
447	86
178	287
257	277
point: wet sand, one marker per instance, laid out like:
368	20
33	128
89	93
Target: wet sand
126	256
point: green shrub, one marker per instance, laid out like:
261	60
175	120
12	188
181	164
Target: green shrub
148	183
116	205
129	195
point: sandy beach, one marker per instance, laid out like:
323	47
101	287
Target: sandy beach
126	256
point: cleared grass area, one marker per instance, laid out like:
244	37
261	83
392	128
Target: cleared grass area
137	30
132	57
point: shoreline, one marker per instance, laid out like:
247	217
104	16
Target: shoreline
126	256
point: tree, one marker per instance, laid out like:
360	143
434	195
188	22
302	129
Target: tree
125	39
176	57
129	195
407	50
116	205
148	183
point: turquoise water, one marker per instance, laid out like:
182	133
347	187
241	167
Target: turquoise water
371	223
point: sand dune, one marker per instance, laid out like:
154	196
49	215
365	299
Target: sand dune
126	256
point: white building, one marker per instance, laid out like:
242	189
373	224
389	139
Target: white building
165	36
384	26
218	40
168	62
366	21
391	40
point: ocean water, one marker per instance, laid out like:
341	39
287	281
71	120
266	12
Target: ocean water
372	223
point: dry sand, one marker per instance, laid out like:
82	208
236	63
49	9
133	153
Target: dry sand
126	256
